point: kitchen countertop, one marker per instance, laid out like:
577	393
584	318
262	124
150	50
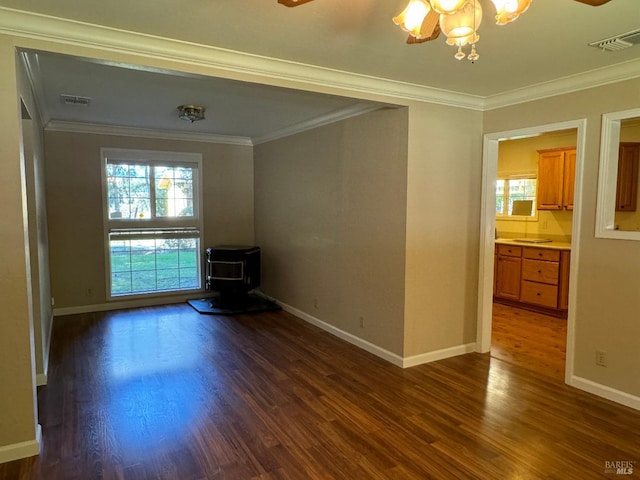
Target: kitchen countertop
550	245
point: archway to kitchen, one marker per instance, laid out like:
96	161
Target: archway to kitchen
527	276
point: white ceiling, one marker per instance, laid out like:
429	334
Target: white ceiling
133	97
548	42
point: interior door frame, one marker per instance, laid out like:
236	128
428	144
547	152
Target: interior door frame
488	225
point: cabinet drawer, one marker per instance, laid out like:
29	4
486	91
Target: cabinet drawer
509	250
540	271
539	294
542	254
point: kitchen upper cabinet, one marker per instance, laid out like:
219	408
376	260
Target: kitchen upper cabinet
556	178
627	187
569	178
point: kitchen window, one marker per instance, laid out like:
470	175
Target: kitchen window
514	188
152	221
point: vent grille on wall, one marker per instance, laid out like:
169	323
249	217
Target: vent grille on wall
619	42
75	100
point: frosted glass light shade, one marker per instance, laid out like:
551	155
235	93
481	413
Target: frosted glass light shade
462	41
508	10
463	23
411	18
447	7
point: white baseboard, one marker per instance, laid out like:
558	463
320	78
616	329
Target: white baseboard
123	304
375	349
609	393
357	341
438	355
16	451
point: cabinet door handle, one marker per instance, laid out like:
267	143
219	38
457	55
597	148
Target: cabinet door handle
539	254
539	271
538	294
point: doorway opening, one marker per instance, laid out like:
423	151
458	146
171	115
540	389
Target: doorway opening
529	252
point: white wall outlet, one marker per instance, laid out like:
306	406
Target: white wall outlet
361	319
601	358
53	301
316	303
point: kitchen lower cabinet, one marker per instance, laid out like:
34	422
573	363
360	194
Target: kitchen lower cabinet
508	272
533	277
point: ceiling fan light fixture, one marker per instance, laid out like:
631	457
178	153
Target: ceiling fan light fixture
464	23
447	7
191	113
411	18
462	41
461	28
508	10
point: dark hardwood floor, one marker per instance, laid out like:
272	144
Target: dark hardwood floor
166	393
529	339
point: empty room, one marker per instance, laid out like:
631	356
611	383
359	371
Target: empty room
320	239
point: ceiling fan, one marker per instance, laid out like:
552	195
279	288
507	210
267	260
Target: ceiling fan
293	3
296	3
430	29
431	23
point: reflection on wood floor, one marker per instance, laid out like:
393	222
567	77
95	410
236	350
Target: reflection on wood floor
166	393
531	340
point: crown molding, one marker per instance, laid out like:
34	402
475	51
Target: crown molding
573	83
118	130
320	121
62	31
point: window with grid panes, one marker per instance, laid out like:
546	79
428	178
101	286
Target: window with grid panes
510	189
152	221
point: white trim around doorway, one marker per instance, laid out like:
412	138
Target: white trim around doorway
488	225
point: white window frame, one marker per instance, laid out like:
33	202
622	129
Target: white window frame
519	218
155	227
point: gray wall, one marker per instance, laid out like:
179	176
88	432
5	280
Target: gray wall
330	218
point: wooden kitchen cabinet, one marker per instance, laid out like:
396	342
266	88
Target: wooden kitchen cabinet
565	263
627	186
556	178
507	280
533	277
540	277
569	179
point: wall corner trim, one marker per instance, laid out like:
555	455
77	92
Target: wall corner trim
604	391
16	451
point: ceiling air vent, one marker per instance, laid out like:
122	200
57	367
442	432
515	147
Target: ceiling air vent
75	100
619	42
